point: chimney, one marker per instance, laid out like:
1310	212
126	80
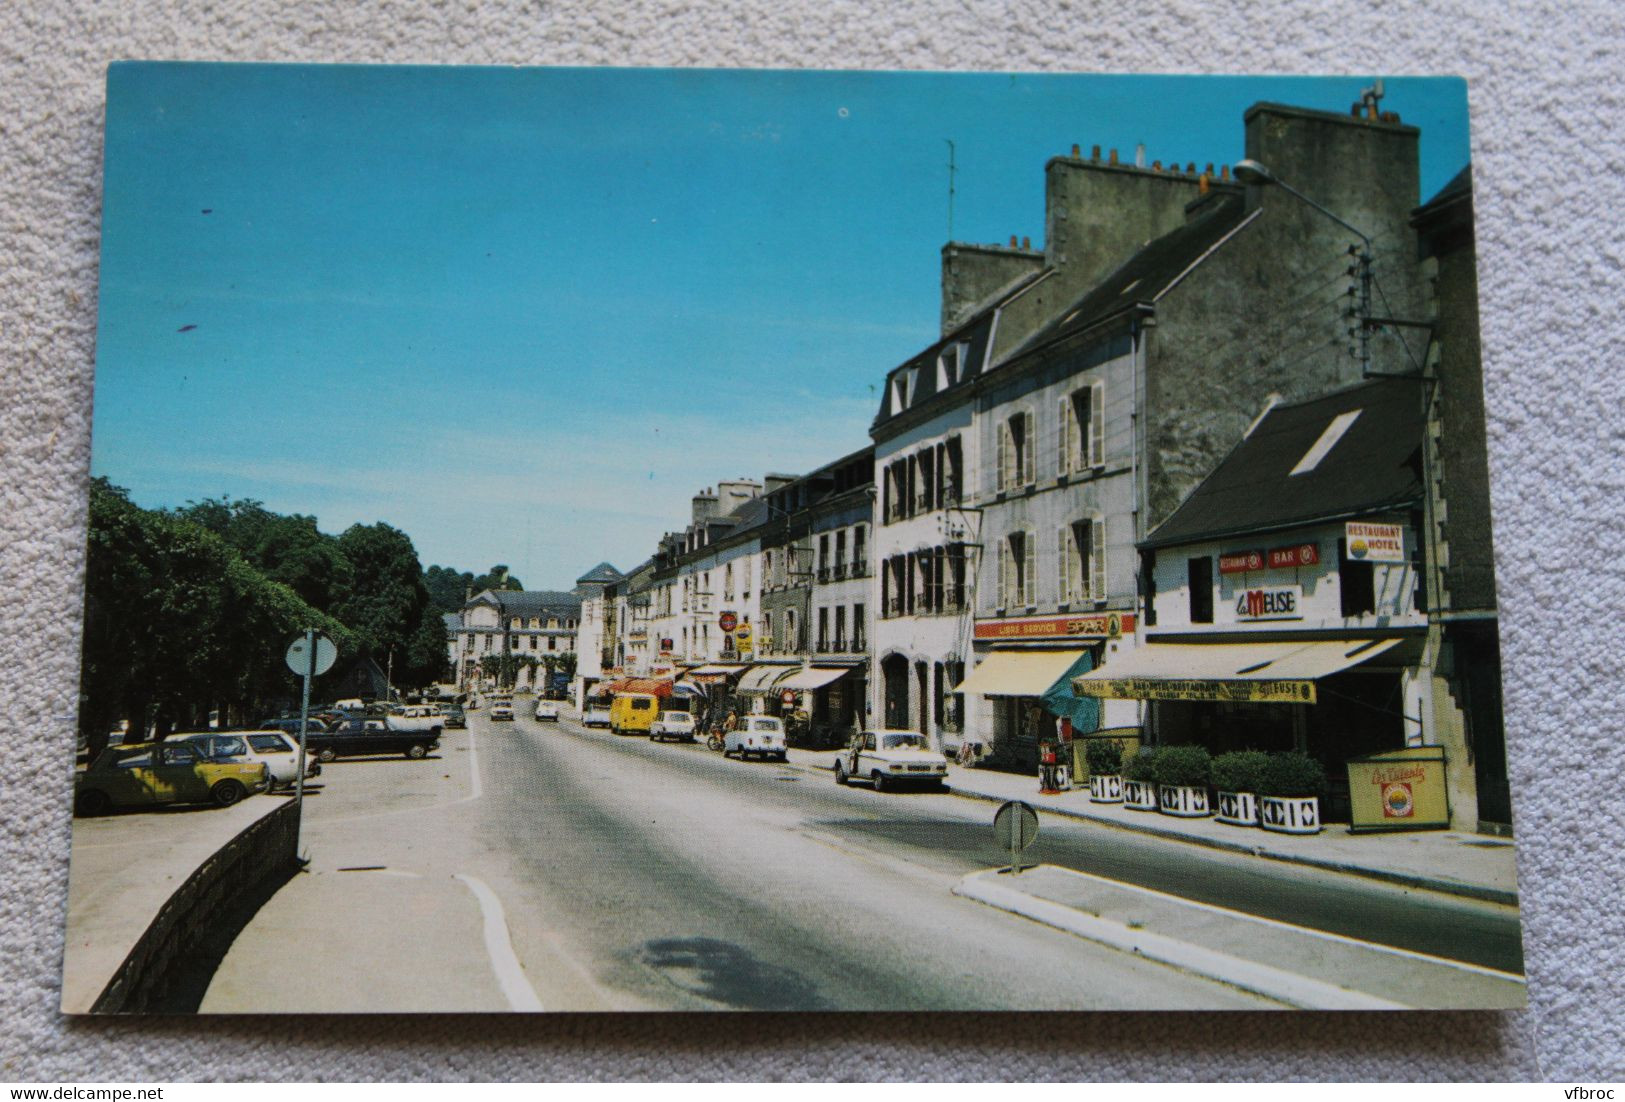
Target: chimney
1094	154
704	506
772	482
1076	151
1139	155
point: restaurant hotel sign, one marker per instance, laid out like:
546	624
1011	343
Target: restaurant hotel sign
1105	625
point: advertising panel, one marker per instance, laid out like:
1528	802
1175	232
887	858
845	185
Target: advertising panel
1375	542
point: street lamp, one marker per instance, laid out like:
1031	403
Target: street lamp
1249	171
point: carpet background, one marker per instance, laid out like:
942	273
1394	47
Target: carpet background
1547	97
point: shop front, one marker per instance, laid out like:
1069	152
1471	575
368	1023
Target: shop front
1334	699
823	705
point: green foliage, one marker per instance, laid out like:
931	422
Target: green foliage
1103	755
504	668
1292	774
1137	767
1188	766
1239	771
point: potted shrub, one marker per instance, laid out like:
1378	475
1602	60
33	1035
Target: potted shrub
1182	774
1104	757
1237	776
1289	794
1139	790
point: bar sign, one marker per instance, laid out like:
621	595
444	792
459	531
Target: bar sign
1306	554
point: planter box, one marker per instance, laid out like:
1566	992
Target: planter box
1238	809
1290	814
1140	795
1184	801
1106	788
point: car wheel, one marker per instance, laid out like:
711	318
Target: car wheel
91	803
227	793
416	751
784	758
879	779
326	753
840	772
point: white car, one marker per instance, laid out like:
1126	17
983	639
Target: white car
274	749
596	715
891	758
757	736
547	709
671	725
502	709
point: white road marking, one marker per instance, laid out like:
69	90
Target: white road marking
510	973
474	765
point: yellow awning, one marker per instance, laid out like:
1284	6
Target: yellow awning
1258	672
1018	672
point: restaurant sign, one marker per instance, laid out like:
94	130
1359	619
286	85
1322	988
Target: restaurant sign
1375	542
1105	625
1158	688
1276	558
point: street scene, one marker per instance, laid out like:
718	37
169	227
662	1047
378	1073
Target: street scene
1103	617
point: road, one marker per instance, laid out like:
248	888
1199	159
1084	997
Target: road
543	866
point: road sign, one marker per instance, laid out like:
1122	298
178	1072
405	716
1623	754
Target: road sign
1015	827
787	697
298	656
727	621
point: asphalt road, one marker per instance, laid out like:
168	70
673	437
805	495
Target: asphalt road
543	866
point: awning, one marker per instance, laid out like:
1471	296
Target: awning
1259	672
816	677
760	679
715	668
1019	672
654	686
688	688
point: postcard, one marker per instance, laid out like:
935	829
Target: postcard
583	540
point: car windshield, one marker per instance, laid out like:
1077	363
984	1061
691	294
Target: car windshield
902	742
269	744
765	725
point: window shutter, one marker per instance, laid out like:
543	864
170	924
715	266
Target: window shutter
1004	456
1063	460
1029	587
1027	452
1004	574
1097	425
1097	559
1063	564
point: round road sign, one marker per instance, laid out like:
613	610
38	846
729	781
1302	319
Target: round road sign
727	621
787	697
299	660
1015	825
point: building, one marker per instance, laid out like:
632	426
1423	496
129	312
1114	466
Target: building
1289	605
537	625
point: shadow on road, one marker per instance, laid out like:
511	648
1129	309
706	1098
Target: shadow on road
725	973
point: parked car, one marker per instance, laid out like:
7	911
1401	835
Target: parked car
891	758
547	709
356	737
756	736
275	749
596	715
502	709
289	725
672	725
164	773
455	718
415	717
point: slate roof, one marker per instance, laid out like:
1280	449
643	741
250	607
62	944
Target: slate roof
1375	466
1459	187
1145	275
603	572
531	602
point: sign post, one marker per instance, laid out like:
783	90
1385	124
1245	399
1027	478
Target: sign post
1015	826
307	656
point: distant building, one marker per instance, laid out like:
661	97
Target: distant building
541	624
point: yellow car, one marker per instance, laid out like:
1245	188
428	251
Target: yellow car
164	773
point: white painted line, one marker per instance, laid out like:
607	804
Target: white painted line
1310	931
1260	979
474	764
510	973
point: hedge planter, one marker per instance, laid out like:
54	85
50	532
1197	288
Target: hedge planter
1290	814
1183	800
1238	809
1139	795
1106	789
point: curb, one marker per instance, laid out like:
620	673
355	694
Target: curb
1404	879
1259	979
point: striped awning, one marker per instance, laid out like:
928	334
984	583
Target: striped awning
763	679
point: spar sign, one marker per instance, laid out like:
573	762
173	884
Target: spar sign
1375	542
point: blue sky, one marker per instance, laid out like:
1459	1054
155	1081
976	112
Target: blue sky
524	315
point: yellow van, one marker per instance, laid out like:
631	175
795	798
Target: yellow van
633	713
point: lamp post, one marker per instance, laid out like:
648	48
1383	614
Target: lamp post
1249	171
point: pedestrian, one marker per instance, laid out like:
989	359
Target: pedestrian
732	722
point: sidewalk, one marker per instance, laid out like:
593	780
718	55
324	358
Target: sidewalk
1472	865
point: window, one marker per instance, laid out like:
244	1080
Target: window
860	551
1017	573
552	625
840	627
552	642
1199	576
1082	436
728	582
930	584
823	558
1357	582
910	576
792	638
823	630
858	640
924	500
939	699
953	462
1016	440
534	645
516	623
1082	570
840	553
